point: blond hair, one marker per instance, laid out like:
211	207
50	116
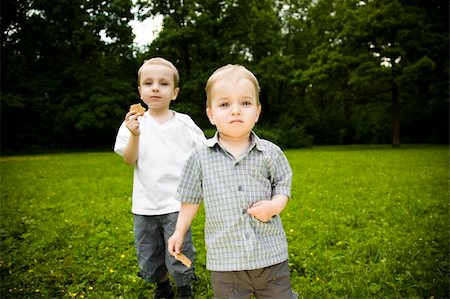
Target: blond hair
236	70
161	61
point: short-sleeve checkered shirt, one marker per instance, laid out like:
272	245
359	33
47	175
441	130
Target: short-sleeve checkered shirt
235	240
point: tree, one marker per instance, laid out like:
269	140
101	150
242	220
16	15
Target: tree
360	59
396	33
66	69
331	71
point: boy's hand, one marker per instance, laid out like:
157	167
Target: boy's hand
175	243
262	210
132	123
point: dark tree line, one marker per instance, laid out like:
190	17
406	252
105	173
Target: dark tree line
331	71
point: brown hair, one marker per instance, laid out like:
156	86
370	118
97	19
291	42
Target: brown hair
233	69
161	61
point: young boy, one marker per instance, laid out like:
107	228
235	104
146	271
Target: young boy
245	183
158	143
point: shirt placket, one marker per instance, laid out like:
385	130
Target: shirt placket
248	234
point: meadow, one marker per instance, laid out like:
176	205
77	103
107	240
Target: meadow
363	222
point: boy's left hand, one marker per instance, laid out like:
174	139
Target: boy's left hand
262	210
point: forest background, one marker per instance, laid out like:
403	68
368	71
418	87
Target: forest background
331	71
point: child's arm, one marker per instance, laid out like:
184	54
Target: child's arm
185	217
131	151
264	210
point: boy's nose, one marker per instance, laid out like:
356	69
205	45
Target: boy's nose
235	109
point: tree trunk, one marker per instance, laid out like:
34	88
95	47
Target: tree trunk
395	116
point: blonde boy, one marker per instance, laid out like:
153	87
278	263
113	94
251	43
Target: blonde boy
244	183
158	144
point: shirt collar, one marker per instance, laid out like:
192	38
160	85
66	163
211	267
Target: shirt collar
256	141
147	113
149	116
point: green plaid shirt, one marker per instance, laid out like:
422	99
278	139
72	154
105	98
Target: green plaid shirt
235	240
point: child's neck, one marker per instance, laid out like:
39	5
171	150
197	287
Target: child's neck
235	146
161	116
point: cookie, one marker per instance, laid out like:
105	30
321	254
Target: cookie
183	259
137	108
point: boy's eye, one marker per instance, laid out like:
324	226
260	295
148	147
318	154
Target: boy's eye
223	104
246	103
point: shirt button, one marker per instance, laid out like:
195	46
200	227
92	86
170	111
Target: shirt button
240	188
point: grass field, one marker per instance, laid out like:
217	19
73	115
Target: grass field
363	222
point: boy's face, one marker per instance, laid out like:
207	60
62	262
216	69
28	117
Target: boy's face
234	110
157	87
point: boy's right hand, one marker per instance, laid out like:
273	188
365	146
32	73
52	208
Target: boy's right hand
175	243
132	123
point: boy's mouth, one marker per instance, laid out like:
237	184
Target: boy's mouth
155	98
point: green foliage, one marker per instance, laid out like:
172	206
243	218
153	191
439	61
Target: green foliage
71	82
363	222
324	63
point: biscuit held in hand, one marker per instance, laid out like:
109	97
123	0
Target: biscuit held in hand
137	108
183	259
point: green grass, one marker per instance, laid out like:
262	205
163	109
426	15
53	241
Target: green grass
363	222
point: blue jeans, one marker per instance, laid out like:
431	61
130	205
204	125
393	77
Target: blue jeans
150	237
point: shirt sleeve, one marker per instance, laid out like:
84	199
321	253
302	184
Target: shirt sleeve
190	186
281	174
122	139
197	134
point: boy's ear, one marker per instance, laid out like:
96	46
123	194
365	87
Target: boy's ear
209	114
258	113
175	93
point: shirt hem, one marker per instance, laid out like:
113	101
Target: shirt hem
249	267
153	212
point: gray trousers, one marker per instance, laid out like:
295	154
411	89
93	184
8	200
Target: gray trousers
150	237
270	282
